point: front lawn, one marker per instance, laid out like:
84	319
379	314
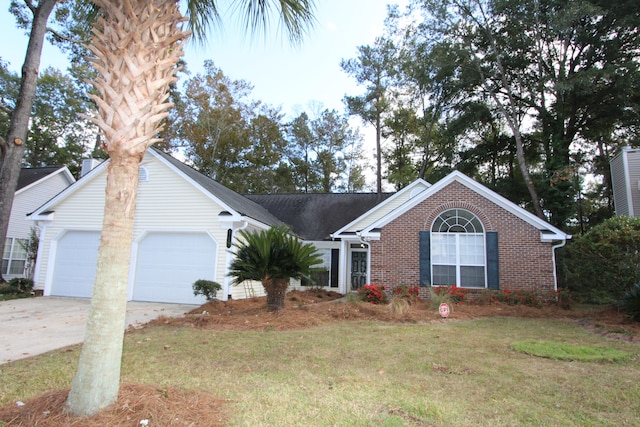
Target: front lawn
366	373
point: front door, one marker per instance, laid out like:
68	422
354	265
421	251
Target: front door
358	269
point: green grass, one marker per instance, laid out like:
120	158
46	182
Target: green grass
580	353
453	373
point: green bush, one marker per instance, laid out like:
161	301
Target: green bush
208	288
20	285
604	263
630	303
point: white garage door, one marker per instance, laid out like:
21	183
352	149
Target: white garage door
75	264
169	263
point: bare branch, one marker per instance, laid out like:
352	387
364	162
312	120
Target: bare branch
62	37
31	7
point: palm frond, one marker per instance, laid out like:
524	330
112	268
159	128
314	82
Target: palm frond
202	15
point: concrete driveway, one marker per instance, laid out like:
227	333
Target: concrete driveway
33	326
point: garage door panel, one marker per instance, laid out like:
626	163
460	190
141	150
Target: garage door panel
168	263
75	264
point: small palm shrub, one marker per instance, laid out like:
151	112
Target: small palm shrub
630	303
399	306
273	257
208	288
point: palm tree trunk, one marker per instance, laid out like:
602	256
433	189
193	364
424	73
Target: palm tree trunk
137	44
97	380
276	289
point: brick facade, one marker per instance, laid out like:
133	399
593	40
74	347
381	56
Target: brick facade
525	262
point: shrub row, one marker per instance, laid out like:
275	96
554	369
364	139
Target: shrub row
376	294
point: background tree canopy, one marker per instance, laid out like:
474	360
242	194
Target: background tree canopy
531	98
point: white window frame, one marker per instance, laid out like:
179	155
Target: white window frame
451	224
14	249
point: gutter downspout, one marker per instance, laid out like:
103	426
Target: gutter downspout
553	257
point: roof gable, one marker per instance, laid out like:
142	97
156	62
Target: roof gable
32	176
547	231
237	205
378	211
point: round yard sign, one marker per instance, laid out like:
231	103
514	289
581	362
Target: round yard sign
444	310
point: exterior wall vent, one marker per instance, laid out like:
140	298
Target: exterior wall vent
143	174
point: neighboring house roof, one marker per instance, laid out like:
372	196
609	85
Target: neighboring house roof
29	176
314	216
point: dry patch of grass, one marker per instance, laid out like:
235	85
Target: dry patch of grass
580	353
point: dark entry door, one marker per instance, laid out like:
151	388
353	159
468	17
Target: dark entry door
358	269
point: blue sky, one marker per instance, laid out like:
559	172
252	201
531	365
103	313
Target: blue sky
282	75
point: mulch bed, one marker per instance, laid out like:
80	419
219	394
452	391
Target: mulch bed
166	406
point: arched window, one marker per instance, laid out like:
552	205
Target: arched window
458	255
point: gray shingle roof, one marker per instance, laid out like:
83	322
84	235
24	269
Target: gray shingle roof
314	216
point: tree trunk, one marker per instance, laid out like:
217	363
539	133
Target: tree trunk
97	380
137	44
378	154
276	289
12	151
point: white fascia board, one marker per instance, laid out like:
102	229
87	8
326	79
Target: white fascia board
480	189
408	189
370	235
554	237
258	224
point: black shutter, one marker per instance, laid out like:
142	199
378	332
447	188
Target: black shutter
335	258
425	259
493	266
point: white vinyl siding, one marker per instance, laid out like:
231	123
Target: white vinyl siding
165	203
28	199
382	210
625	177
